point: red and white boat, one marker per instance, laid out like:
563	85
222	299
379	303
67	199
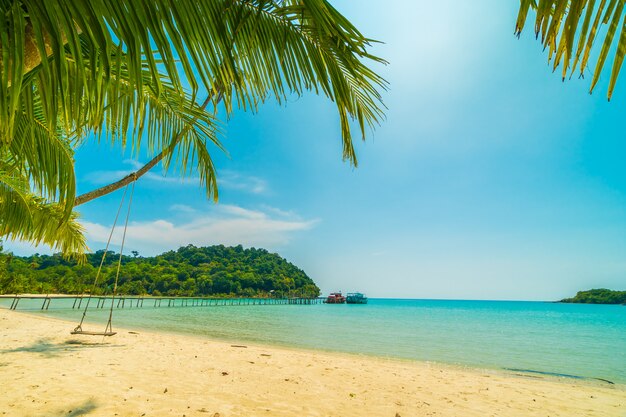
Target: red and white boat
335	298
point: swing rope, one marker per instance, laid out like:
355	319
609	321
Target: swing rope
109	328
108	331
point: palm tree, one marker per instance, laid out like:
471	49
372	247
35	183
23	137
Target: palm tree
119	69
569	28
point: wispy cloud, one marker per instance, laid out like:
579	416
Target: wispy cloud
135	165
228	225
108	176
182	208
230	180
105	177
241	182
236	211
287	214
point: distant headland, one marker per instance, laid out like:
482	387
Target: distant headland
598	296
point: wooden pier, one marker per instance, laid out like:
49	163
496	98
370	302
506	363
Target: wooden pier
134	301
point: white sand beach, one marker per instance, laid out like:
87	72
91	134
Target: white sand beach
45	371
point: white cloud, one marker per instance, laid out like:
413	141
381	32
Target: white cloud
182	208
228	225
226	179
135	165
106	177
241	182
287	214
241	212
175	179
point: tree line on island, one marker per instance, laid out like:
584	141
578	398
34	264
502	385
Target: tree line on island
598	296
215	271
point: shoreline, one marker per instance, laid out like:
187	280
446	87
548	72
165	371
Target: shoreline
155	373
528	373
482	367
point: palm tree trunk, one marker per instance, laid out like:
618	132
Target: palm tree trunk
32	56
133	176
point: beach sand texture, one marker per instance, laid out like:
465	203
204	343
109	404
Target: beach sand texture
45	371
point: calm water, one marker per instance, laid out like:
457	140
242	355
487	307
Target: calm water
581	340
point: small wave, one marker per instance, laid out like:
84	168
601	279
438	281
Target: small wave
532	371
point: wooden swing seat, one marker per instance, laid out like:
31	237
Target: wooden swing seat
87	333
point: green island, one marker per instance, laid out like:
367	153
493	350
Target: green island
597	296
217	271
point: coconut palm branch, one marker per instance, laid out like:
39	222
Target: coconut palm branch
26	216
569	30
249	48
38	157
170	122
112	68
44	156
162	121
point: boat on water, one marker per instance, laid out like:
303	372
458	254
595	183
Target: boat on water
335	298
356	298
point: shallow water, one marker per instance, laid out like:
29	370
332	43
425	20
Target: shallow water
572	339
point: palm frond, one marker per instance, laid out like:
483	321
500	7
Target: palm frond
25	216
569	29
247	49
192	155
71	67
46	156
164	119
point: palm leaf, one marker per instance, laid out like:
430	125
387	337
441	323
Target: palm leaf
570	42
25	216
72	67
46	157
248	48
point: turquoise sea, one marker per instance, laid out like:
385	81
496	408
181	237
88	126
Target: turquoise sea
572	339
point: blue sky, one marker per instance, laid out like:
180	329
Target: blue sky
490	178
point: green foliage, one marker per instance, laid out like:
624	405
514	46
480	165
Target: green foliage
188	271
249	50
569	30
131	72
598	296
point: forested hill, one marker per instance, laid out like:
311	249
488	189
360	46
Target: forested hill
188	271
598	296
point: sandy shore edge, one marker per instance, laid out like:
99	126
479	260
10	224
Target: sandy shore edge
47	371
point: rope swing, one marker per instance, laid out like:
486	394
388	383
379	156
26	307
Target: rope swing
108	331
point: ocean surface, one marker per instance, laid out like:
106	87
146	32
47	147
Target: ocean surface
572	339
